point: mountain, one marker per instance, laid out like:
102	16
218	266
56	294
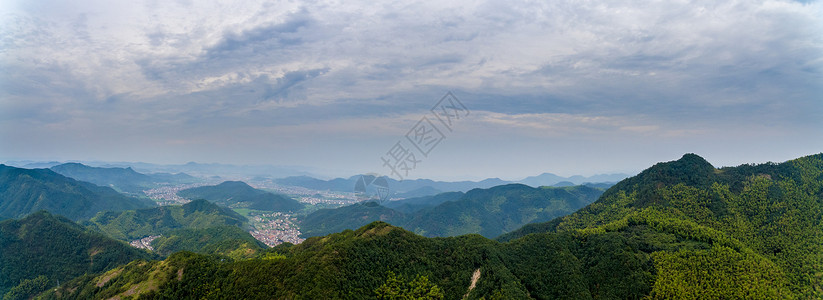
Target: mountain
678	230
134	224
489	212
492	212
43	244
761	224
123	179
238	194
23	191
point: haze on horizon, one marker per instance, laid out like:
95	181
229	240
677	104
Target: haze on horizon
566	87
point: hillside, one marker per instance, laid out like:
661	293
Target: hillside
55	247
238	194
122	179
680	229
489	212
24	191
134	224
225	240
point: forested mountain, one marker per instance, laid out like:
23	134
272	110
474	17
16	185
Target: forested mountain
23	191
238	194
135	224
492	212
489	212
122	179
46	245
678	230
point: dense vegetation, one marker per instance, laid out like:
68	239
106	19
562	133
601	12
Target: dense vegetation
56	249
24	191
489	212
238	194
225	240
134	224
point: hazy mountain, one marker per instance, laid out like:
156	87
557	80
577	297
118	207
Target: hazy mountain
23	191
122	179
408	187
55	247
134	224
489	212
238	194
549	179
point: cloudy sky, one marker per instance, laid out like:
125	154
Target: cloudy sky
569	87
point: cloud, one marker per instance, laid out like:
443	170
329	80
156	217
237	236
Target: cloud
551	69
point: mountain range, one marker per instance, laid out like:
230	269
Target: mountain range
24	191
122	179
411	188
679	229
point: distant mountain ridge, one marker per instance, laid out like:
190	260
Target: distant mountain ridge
124	179
410	188
24	191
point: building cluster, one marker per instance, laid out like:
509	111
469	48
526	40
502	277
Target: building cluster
275	228
167	195
144	243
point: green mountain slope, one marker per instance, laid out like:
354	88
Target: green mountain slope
489	212
771	214
23	191
53	246
237	194
134	224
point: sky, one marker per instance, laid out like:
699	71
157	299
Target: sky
567	87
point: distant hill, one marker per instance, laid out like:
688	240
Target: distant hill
238	194
678	230
23	191
425	187
408	188
122	179
57	248
549	179
489	212
134	224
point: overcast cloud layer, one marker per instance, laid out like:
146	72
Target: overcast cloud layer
571	87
